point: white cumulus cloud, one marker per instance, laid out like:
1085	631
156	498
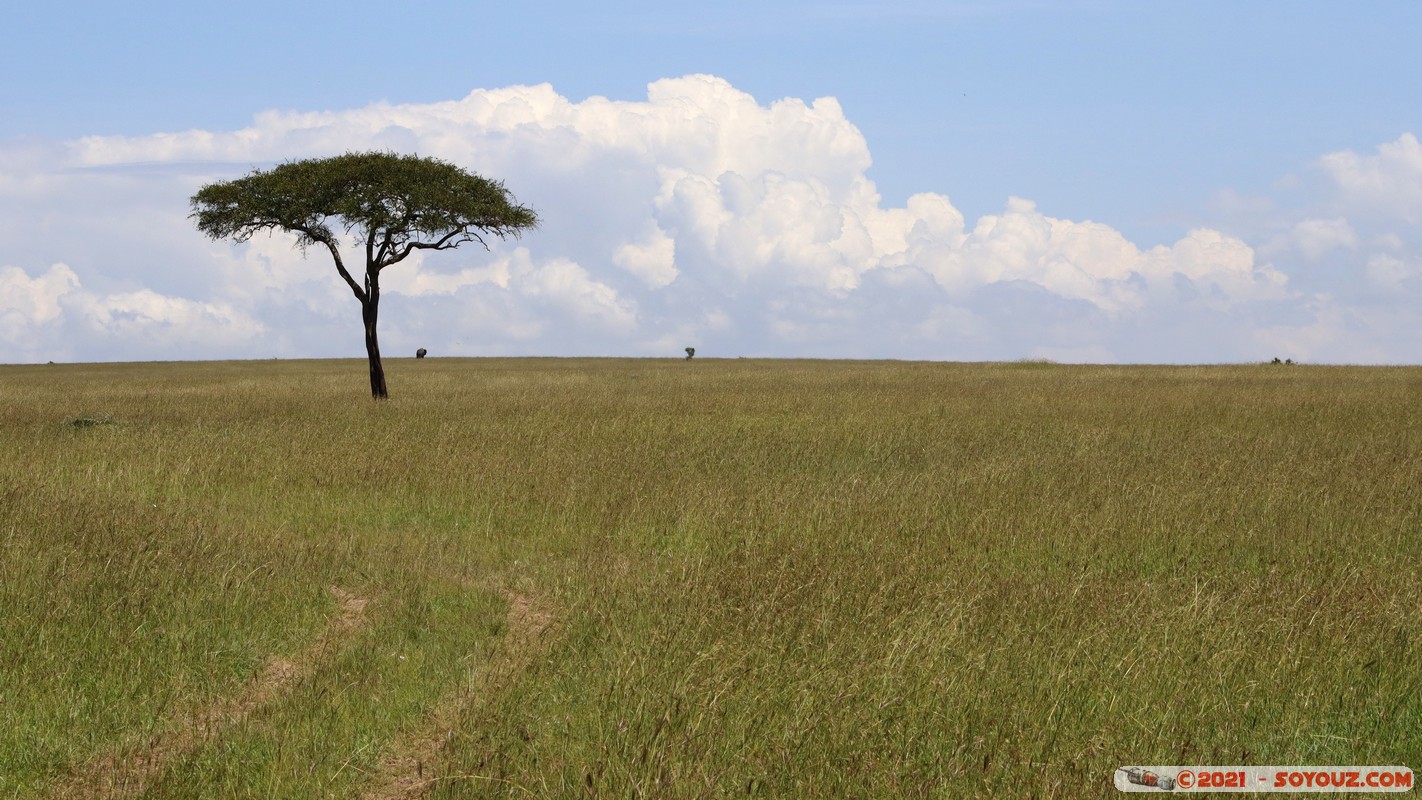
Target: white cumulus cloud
698	216
1389	182
652	258
54	316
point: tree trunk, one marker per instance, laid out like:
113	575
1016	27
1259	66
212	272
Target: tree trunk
372	348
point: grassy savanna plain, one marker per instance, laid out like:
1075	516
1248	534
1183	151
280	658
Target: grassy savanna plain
645	578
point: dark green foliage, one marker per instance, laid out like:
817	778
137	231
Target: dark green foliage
393	204
397	204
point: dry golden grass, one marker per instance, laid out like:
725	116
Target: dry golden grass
771	578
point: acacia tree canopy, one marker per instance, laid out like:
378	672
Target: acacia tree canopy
391	204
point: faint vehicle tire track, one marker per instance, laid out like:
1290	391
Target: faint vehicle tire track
401	776
119	775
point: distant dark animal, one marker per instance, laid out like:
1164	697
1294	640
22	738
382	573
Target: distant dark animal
421	353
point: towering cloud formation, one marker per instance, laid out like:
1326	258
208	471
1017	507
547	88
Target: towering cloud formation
696	217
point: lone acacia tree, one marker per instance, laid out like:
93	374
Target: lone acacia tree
394	204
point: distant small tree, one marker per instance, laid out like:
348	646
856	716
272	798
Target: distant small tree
690	353
393	204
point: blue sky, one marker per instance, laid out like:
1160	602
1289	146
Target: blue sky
1265	124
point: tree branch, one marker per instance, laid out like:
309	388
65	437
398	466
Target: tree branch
385	246
448	242
370	248
341	268
330	243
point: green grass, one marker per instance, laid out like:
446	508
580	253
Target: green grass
788	579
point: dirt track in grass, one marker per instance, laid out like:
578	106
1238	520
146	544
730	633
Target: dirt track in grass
127	774
402	775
